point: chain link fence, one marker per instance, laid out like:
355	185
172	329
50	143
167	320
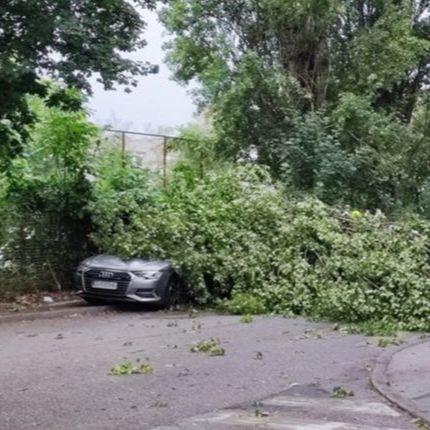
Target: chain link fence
39	250
155	152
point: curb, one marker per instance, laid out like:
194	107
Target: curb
59	310
381	383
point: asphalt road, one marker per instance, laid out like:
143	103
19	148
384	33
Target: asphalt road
54	374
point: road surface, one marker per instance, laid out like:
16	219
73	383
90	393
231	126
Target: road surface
276	374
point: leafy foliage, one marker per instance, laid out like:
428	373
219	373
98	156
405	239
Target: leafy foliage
372	328
68	41
341	393
332	95
236	237
131	369
211	346
384	342
246	319
44	221
196	146
50	175
421	425
120	191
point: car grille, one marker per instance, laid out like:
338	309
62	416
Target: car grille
121	278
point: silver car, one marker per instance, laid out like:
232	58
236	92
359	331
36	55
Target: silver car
106	278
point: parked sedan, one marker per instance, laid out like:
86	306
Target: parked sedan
106	278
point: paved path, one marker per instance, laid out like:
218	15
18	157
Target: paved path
299	412
409	375
54	374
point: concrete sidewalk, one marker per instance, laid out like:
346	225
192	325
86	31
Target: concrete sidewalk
404	378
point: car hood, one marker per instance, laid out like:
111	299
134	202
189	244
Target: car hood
117	263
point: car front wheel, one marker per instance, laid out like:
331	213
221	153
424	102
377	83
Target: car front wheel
172	296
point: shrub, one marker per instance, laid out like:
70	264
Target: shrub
376	271
120	190
43	195
236	237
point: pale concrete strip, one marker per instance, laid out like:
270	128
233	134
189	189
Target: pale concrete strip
333	405
239	419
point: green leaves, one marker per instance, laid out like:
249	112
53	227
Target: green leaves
68	41
246	319
43	198
387	51
238	240
128	368
341	393
325	93
211	347
50	175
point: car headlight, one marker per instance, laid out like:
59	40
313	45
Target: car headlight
82	268
149	276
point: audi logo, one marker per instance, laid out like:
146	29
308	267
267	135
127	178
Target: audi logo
106	275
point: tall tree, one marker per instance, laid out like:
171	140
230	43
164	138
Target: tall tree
68	40
301	54
299	83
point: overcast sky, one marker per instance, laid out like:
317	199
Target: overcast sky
157	102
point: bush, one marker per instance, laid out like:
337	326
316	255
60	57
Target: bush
44	225
120	190
236	237
375	271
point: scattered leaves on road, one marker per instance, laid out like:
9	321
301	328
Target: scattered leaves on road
211	346
259	413
184	372
383	329
172	324
192	313
197	326
341	393
160	404
128	368
421	425
15	308
246	319
384	342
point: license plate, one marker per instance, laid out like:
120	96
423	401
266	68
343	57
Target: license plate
105	285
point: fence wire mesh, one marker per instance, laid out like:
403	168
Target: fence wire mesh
154	152
38	251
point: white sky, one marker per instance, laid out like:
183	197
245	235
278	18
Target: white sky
158	104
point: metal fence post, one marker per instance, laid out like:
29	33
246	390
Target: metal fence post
123	143
165	162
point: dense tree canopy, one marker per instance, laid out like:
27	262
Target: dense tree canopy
332	94
68	40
